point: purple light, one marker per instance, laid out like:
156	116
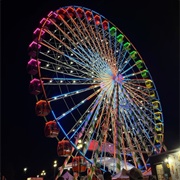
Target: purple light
51	12
35	45
32	66
37	31
44	20
35	86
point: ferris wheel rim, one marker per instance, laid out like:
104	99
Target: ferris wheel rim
128	86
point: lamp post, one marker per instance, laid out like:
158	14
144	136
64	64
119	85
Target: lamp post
25	170
43	173
55	165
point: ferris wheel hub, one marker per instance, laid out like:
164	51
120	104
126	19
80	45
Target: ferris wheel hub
119	78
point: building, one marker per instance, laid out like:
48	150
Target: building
166	165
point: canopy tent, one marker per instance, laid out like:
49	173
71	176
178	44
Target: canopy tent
122	175
67	176
109	162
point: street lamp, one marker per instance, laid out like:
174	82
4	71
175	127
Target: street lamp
43	173
55	165
25	170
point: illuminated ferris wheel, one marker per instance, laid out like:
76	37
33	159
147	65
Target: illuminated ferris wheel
94	90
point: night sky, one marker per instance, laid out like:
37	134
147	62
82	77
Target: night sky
153	28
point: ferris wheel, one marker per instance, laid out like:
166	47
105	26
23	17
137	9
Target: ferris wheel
94	90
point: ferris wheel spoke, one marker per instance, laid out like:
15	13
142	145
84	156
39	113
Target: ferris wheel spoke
77	33
108	53
63	68
105	51
82	34
98	113
104	46
141	91
122	62
142	129
126	61
85	118
70	81
134	135
93	113
133	74
139	103
78	60
119	55
139	114
93	37
95	67
69	94
95	125
137	95
133	126
130	146
78	105
87	36
72	39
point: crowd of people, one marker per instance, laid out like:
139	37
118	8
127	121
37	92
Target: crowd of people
133	174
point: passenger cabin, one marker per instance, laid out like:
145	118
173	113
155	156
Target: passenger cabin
42	108
32	66
64	148
51	129
33	49
80	12
35	87
79	164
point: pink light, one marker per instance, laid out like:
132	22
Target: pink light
32	66
51	12
34	44
37	31
44	20
34	62
55	14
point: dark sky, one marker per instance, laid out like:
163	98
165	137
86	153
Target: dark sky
153	28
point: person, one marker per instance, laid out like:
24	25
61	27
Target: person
100	176
151	177
107	175
134	174
61	178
